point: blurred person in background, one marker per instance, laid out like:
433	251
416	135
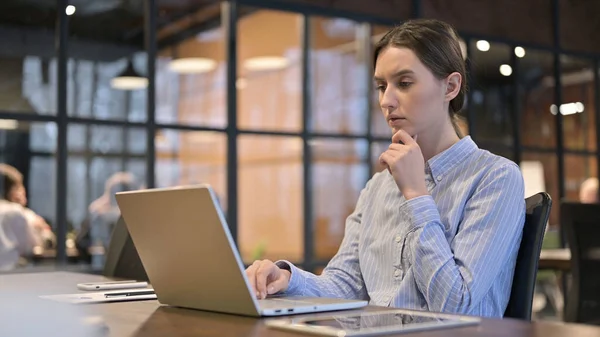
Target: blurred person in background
103	214
17	194
21	229
588	193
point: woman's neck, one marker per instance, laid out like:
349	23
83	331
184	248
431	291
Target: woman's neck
434	142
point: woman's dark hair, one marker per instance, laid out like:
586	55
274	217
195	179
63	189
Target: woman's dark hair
9	178
436	44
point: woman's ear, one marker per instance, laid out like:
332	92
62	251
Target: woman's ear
453	84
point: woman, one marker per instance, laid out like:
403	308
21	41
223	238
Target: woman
440	229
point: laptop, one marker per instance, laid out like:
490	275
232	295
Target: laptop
122	259
190	258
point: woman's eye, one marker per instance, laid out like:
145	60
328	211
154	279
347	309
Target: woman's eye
380	88
404	84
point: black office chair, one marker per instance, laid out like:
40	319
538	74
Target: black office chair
581	224
521	296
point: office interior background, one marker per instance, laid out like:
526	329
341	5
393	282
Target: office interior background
272	103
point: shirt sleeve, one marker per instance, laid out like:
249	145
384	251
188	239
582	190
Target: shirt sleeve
455	277
342	277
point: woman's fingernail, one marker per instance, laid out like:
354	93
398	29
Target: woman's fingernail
271	289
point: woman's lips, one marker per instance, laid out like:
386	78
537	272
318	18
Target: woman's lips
396	121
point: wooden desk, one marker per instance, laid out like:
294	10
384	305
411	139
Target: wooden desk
556	259
149	318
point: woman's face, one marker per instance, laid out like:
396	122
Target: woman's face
17	194
410	96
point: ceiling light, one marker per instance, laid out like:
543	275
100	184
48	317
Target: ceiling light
520	51
571	108
483	45
262	63
505	70
70	10
129	82
129	79
567	108
8	124
192	65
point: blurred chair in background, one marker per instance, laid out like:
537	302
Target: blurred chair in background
581	224
548	301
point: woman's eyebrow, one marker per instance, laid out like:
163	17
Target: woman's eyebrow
396	74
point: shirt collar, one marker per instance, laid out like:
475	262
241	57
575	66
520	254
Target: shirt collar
444	161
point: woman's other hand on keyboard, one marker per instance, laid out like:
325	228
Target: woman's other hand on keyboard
266	278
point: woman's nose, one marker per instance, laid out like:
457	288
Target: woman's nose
388	101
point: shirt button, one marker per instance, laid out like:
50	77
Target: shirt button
387	299
398	239
439	178
397	273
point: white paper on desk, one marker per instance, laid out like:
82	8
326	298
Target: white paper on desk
100	297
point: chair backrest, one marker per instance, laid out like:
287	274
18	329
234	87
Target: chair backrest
521	297
122	259
581	225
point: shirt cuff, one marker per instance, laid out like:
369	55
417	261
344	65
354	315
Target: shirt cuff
420	211
295	277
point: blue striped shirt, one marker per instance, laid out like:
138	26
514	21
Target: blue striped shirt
453	250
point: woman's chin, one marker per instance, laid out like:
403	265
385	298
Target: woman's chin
396	129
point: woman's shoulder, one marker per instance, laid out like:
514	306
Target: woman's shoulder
11	207
493	164
12	211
